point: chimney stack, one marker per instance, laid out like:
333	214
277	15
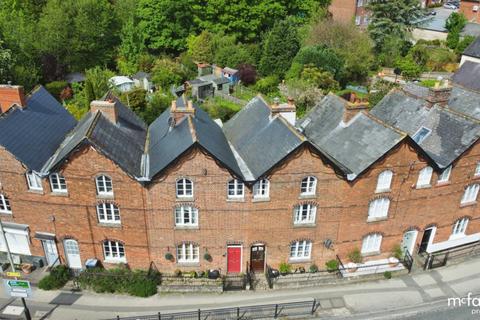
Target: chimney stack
179	112
10	95
286	110
440	94
107	108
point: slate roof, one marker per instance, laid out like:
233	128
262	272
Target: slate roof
451	132
32	134
259	140
167	143
468	76
354	145
473	50
122	142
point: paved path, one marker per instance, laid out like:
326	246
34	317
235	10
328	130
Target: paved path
403	297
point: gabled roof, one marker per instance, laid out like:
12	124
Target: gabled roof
473	50
259	140
451	133
123	142
32	134
468	76
355	145
167	143
119	80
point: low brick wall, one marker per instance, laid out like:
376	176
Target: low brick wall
181	284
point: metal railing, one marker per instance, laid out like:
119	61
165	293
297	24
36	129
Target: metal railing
440	259
266	311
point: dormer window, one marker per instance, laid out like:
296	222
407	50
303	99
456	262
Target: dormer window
34	181
235	189
57	183
421	135
261	189
445	175
424	177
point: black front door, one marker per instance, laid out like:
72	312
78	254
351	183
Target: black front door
425	240
257	258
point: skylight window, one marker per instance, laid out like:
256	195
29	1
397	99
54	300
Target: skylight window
421	135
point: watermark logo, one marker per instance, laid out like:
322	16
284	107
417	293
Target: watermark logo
468	301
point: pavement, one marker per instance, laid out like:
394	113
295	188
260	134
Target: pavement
422	294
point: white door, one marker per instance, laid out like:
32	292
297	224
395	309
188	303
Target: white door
51	253
408	241
72	253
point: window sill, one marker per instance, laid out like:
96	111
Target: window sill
59	194
383	190
377	219
235	199
468	204
424	186
109	225
188	264
307	196
34	191
457	236
105	196
302	260
266	199
184	199
115	261
6	213
304	225
370	254
443	183
186	228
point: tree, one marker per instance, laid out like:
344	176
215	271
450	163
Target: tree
166	24
247	74
393	18
201	47
349	43
410	69
130	49
279	48
318	56
6	64
319	78
95	86
455	21
168	72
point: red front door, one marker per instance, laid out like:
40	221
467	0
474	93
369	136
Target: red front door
234	259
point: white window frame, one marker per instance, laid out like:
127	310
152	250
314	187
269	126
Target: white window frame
102	183
5	206
111	213
182	187
420	138
188	252
60	182
477	170
261	189
34	181
301	250
308	186
372	243
425	177
444	177
186	211
298	213
471	193
358	20
378	208
114	251
237	187
459	227
384	181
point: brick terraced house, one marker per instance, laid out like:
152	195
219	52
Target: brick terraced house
264	188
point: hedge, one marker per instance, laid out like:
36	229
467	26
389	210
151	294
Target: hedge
57	278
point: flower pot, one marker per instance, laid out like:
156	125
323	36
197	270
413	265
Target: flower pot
351	267
393	262
213	274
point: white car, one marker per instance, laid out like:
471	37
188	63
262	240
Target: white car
449	6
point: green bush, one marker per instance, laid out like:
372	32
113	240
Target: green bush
267	85
397	251
355	256
332	265
285	268
56	87
387	275
57	278
313	268
429	83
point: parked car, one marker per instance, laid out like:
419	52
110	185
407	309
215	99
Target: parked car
449	6
432	13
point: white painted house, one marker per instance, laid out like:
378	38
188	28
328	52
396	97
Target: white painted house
122	83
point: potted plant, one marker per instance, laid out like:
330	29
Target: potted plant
313	268
397	254
213	274
285	268
177	273
207	257
169	256
355	257
27	268
332	265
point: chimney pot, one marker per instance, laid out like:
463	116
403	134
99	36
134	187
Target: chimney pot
178	113
439	94
11	95
107	108
352	109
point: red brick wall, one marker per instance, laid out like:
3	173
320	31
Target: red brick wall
466	7
148	228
